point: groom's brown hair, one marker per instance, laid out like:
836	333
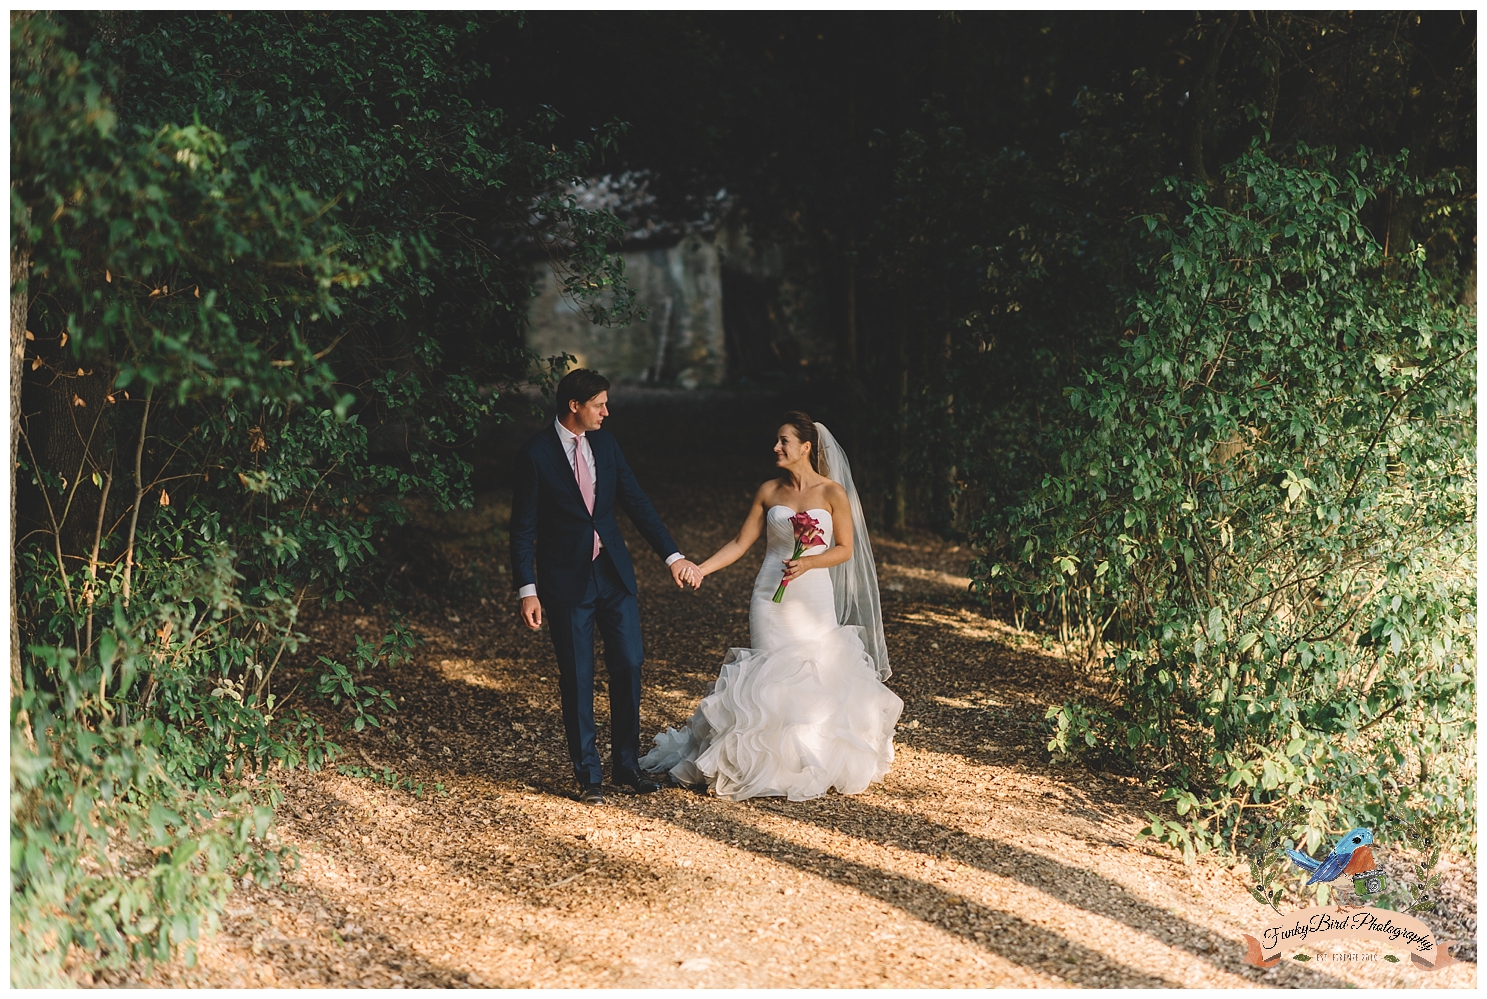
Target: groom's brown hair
580	384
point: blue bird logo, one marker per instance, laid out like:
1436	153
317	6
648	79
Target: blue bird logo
1351	855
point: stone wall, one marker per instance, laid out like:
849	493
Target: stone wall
679	343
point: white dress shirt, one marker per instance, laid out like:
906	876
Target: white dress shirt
573	446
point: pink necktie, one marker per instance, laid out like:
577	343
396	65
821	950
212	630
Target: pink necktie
585	485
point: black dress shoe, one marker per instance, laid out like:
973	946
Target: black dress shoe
639	785
591	794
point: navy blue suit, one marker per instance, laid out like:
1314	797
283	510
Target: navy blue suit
552	543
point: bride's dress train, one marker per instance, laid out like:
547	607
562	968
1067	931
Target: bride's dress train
801	711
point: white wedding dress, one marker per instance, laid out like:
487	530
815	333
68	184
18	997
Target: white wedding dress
801	711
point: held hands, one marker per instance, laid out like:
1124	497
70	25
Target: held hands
683	571
686	573
795	567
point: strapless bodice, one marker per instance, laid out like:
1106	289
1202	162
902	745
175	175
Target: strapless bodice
780	532
808	608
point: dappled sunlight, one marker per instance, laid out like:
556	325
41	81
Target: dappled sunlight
970	902
976	862
966	623
893	577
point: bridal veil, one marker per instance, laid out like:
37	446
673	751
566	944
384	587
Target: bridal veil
855	581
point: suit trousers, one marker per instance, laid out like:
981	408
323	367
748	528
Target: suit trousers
609	604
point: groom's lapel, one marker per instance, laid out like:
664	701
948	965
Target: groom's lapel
560	468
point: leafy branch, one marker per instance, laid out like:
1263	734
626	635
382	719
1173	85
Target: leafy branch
1265	871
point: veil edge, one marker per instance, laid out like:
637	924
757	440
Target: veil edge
855	582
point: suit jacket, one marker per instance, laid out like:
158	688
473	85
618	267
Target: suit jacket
552	531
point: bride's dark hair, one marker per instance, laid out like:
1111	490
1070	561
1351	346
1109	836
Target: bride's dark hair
805	432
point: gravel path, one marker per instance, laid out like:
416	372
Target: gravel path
976	863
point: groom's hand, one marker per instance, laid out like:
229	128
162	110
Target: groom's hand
531	612
684	571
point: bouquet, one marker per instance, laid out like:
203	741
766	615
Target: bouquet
807	535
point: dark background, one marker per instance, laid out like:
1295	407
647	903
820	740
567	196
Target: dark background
959	191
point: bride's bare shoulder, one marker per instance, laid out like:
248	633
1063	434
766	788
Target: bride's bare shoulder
767	491
835	493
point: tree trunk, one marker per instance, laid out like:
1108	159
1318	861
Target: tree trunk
900	509
72	432
1271	67
949	480
1205	101
855	393
852	320
1404	209
20	302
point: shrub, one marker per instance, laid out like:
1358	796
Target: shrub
192	468
1261	518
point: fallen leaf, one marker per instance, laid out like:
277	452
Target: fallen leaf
164	498
77	400
30	335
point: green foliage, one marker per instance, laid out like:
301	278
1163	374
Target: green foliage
277	268
112	857
158	249
1262	513
386	112
140	773
344	688
390	777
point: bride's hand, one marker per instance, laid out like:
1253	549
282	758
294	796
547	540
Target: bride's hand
796	567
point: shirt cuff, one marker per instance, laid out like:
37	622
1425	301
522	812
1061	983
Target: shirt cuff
673	557
530	590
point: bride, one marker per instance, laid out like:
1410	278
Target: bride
804	709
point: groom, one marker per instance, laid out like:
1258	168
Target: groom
569	479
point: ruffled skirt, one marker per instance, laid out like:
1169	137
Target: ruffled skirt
792	721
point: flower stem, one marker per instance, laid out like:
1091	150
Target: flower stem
779	594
